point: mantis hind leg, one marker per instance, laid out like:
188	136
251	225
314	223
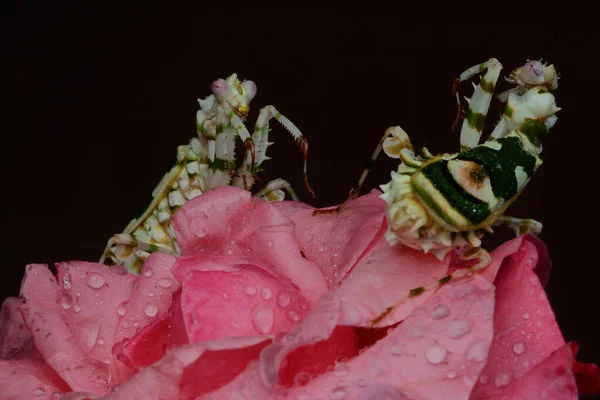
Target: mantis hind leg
273	191
521	226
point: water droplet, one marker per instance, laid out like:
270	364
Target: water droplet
519	348
525	364
338	393
436	353
341	369
262	318
200	233
293	316
148	271
283	299
165	283
361	383
440	312
270	244
65	302
309	238
55	396
151	309
526	315
483	379
478	351
417	332
459	328
100	341
451	374
67	281
321	249
125	324
396	350
122	308
229	252
302	378
266	293
249	290
502	379
95	280
39	391
76	308
151	293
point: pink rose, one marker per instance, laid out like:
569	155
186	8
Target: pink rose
268	301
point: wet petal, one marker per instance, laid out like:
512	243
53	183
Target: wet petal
148	345
526	331
232	296
227	220
336	241
54	337
425	357
29	379
15	339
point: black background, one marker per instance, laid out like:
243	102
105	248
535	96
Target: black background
103	98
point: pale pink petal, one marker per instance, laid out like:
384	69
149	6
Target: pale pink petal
227	220
232	296
384	277
551	379
151	296
29	379
438	352
54	337
15	339
89	297
526	331
336	241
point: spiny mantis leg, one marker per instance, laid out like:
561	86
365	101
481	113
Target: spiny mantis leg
393	142
272	191
479	103
238	125
475	253
261	129
521	226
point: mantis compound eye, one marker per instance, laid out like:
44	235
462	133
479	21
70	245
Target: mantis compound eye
249	89
221	89
532	73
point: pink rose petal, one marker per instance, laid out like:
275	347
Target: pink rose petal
54	337
151	296
551	379
29	379
149	345
525	329
335	242
227	296
426	356
228	221
384	277
15	339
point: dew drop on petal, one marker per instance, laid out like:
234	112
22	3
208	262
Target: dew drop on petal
519	348
262	318
477	352
148	271
66	302
76	308
249	290
200	233
440	311
341	369
417	332
526	315
459	328
283	299
100	341
361	383
396	350
483	379
151	309
451	374
95	280
39	391
266	293
67	281
309	238
270	244
436	353
502	379
122	308
338	393
165	283
151	293
293	316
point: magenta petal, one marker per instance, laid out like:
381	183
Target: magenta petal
29	379
438	351
526	331
228	221
148	345
54	337
15	339
551	379
336	241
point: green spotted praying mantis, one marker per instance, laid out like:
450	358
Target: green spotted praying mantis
437	203
206	162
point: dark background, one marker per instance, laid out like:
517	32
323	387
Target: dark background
103	98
